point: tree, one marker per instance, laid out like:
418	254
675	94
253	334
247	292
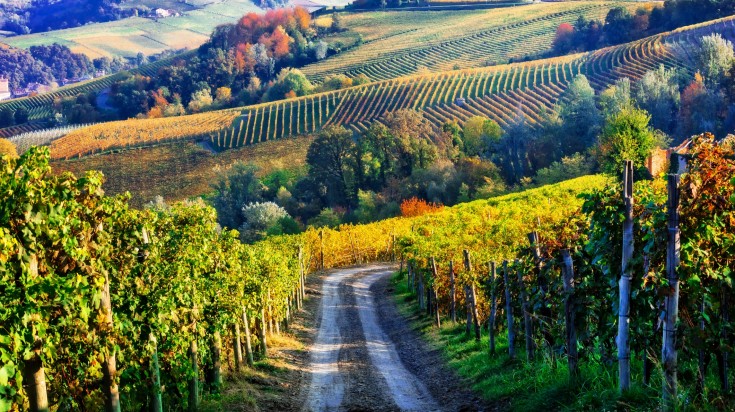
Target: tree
326	218
7	148
580	117
238	187
21	115
7	117
478	134
618	25
658	94
616	97
564	39
713	58
200	100
626	136
416	139
336	25
330	158
699	109
259	219
289	83
512	150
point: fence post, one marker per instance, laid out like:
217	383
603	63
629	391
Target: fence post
527	321
625	281
671	302
263	330
568	279
452	294
493	305
237	347
472	299
321	249
435	272
216	361
194	359
543	283
109	370
509	313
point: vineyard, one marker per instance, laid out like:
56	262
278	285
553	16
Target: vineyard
40	107
43	137
404	43
135	133
152	299
499	93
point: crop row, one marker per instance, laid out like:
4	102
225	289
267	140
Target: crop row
42	137
465	50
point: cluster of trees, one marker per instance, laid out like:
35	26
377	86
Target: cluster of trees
241	64
621	26
37	16
10	117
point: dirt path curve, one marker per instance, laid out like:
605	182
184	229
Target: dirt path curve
354	362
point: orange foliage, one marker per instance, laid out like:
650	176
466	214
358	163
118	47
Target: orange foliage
243	60
277	42
303	18
417	207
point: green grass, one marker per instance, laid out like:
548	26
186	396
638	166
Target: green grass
517	385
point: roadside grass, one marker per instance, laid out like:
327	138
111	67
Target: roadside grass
518	385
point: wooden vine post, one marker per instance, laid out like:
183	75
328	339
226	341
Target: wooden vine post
34	376
671	302
109	369
543	283
248	345
321	249
300	291
435	273
452	294
263	330
527	321
509	313
217	361
471	299
569	308
625	282
156	401
194	360
493	305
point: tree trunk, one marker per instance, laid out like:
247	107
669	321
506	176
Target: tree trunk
527	321
509	313
569	312
156	402
452	294
109	369
216	378
194	379
263	330
435	273
248	345
625	282
237	348
671	302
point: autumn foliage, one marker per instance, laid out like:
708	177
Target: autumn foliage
417	207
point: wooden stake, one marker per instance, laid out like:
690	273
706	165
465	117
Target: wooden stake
543	283
34	376
194	379
156	402
671	302
626	278
248	346
493	307
452	294
527	321
217	361
509	313
237	347
472	305
263	330
569	300
109	369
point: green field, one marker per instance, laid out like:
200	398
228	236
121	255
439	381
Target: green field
129	36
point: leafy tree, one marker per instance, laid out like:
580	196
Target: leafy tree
616	97
238	187
289	83
261	218
7	148
512	150
618	25
567	168
7	117
326	218
564	38
699	108
478	134
200	100
330	158
626	136
416	139
21	115
360	79
336	25
580	117
713	58
658	94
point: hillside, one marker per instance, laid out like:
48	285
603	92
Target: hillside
131	35
498	92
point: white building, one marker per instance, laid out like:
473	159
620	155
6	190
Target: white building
4	88
162	13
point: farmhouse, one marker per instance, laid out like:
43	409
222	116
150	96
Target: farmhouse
162	12
4	88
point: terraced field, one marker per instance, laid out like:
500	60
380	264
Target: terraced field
41	106
404	43
499	92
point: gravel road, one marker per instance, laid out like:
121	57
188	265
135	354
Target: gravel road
365	356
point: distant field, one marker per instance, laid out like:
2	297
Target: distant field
499	93
401	43
181	170
129	36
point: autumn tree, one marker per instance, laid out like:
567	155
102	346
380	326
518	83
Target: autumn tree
330	158
7	148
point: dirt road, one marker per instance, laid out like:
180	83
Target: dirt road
365	357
